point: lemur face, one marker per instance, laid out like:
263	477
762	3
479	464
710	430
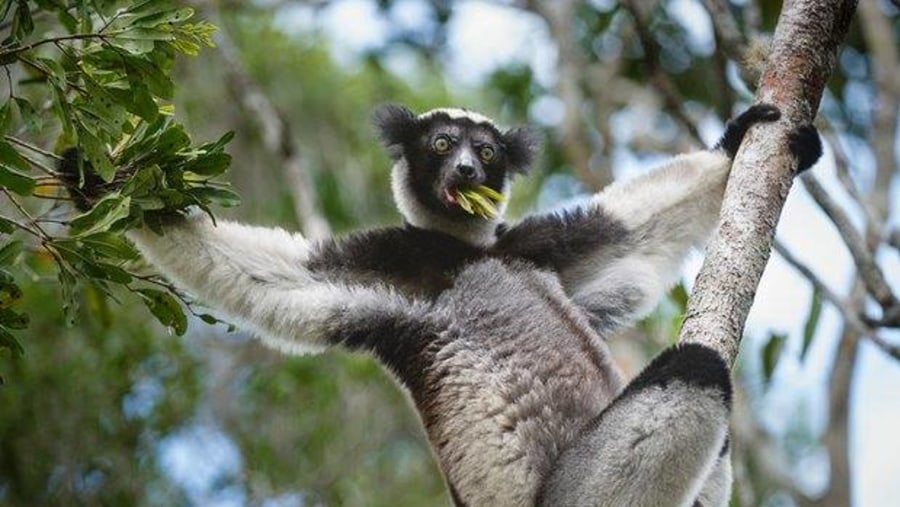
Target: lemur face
446	150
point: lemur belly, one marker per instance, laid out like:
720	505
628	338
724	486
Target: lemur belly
517	379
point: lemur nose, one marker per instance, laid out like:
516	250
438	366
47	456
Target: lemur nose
466	171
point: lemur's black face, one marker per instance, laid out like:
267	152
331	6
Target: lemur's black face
447	150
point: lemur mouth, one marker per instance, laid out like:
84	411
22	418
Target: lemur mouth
481	201
449	197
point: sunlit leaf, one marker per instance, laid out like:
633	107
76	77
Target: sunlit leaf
104	214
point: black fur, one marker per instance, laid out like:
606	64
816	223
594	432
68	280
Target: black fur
521	145
396	126
401	344
84	185
555	241
691	363
736	128
806	146
419	261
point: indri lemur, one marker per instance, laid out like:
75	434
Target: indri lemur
498	331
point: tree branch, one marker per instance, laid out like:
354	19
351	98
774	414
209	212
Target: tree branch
851	317
870	273
277	138
804	51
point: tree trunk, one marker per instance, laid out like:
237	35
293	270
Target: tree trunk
804	51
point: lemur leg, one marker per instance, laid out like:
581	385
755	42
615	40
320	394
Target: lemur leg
257	278
656	443
716	490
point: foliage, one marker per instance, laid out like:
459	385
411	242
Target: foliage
96	76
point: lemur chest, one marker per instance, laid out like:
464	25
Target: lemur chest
514	378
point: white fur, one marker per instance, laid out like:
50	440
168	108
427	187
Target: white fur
458	114
717	488
255	277
666	212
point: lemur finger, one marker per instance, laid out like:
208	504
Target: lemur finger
805	146
736	128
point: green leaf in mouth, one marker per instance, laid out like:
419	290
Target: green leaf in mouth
481	201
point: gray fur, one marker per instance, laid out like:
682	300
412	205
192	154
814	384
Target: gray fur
500	339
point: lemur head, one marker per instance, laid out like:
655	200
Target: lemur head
443	152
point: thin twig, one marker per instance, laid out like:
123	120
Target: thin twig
868	270
661	81
32	147
4	55
854	320
25	213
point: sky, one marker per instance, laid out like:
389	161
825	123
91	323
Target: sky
483	36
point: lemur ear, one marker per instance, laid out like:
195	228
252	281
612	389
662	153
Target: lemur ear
395	125
522	145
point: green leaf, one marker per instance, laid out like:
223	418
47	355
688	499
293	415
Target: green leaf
167	17
165	308
157	81
812	321
68	283
67	20
33	121
6	226
15	181
209	319
10	292
4	117
211	164
9	252
221	196
110	209
8	341
96	154
11	158
133	46
111	245
12	319
771	353
22	22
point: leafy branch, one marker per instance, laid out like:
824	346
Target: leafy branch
97	79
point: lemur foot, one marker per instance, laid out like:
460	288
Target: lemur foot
805	146
736	128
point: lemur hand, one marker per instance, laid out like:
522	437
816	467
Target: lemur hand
736	128
84	185
803	142
805	145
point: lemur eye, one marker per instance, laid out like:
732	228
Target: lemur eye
441	144
486	153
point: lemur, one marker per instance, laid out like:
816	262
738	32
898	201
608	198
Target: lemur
497	331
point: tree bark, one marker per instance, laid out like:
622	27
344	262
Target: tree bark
804	51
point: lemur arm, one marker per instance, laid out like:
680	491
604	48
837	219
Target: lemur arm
618	254
257	277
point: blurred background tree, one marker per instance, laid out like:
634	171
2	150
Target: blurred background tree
107	407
